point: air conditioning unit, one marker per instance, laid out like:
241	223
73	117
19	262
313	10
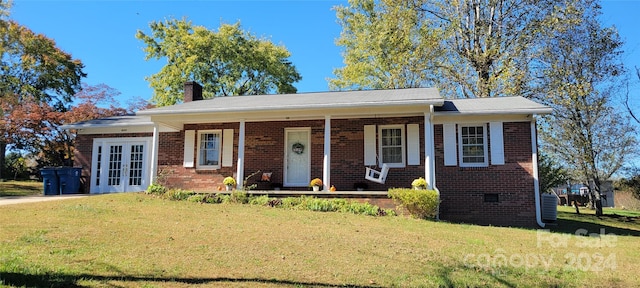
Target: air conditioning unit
549	207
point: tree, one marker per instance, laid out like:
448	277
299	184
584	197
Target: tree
551	173
580	70
387	45
32	69
466	48
627	101
36	126
228	62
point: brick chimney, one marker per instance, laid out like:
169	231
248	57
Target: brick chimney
192	91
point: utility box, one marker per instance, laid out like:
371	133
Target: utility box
69	178
50	181
549	208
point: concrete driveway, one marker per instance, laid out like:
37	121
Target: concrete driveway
8	200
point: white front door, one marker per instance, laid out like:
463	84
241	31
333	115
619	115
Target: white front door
120	165
297	166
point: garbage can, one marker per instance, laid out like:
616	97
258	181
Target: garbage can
50	181
69	178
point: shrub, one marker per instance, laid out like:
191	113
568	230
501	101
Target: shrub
422	204
259	200
239	197
197	198
156	189
178	194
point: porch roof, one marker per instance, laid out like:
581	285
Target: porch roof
305	101
492	106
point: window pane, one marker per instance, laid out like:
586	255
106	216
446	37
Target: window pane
391	145
209	149
473	144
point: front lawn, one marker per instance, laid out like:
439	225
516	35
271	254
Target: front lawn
20	188
136	240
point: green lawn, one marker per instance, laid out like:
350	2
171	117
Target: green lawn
136	240
20	188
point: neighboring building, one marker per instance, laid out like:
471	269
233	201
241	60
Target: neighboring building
479	153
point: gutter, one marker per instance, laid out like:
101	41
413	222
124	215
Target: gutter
536	181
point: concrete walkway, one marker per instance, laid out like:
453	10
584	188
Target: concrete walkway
8	200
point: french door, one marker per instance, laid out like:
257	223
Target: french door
120	165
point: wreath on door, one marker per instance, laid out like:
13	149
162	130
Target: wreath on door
297	148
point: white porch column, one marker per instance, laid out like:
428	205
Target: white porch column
326	163
154	154
429	150
240	166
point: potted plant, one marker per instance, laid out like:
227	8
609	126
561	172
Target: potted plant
360	186
316	183
419	184
229	182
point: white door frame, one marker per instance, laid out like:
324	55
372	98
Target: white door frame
288	151
101	173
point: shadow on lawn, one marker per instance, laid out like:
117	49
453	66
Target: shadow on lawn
65	280
609	224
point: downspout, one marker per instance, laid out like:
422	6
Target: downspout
534	162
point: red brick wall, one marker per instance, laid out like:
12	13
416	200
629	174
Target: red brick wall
462	189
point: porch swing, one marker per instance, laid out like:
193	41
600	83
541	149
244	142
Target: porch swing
375	175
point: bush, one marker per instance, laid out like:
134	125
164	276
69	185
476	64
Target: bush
156	189
259	200
239	197
197	198
178	194
422	204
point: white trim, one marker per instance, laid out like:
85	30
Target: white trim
485	163
189	148
449	144
227	148
496	139
413	144
199	151
404	146
370	145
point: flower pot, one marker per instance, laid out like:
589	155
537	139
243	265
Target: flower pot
229	187
316	188
418	188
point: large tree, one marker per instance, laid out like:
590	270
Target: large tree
468	48
387	45
32	69
580	73
226	62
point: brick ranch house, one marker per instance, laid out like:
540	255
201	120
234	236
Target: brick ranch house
481	154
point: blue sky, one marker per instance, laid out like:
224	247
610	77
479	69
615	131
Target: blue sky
102	33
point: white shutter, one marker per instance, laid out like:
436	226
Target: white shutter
449	143
227	148
189	148
369	145
413	144
497	143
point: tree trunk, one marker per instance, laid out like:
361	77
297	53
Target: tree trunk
3	149
595	193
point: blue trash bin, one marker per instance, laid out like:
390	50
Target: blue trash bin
69	179
50	181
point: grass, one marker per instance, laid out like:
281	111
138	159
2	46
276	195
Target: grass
136	240
20	188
